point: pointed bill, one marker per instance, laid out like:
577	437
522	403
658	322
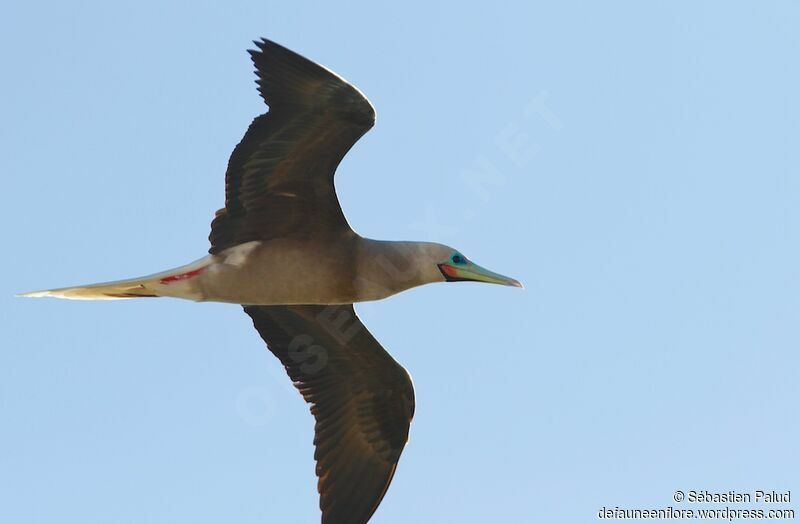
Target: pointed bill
471	272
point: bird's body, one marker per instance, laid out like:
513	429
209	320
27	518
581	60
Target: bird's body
283	248
348	270
284	272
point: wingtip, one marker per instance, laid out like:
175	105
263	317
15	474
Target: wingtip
262	44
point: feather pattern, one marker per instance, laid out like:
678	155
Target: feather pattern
280	175
361	398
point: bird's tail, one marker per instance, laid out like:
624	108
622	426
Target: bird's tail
174	282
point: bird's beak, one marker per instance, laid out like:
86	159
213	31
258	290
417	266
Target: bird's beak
470	272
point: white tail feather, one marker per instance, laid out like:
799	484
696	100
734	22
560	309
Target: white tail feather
148	286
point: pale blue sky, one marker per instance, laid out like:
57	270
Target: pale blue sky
635	164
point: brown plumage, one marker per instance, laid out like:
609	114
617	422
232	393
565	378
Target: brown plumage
283	247
279	185
361	398
281	173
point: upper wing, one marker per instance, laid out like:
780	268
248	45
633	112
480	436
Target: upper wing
281	173
362	399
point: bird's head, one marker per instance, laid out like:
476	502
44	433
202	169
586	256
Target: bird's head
397	266
458	268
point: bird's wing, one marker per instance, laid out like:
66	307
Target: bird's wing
361	398
279	181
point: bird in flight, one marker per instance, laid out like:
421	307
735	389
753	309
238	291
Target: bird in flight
283	249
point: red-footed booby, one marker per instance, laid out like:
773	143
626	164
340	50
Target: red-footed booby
282	247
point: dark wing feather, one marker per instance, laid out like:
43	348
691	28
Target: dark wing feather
279	181
361	398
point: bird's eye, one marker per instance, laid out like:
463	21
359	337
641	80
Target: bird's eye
458	259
